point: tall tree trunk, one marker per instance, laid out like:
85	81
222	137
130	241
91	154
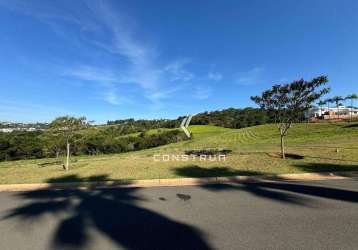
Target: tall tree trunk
321	116
283	147
329	112
351	110
67	156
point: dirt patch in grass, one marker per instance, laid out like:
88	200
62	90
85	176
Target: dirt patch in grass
53	163
45	164
207	152
288	156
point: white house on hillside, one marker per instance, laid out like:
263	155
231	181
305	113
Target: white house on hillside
340	112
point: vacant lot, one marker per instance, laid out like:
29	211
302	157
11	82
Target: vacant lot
315	147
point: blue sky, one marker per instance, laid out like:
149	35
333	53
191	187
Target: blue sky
161	59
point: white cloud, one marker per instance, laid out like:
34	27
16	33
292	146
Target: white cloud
143	58
215	76
140	55
166	93
202	93
144	66
105	78
111	96
51	13
177	72
251	77
90	73
139	58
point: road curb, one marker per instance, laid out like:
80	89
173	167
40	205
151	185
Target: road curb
179	181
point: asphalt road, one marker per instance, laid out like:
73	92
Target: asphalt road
300	215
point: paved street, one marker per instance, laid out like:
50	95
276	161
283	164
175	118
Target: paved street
299	215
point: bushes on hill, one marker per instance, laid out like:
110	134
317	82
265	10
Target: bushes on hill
31	145
21	145
133	126
228	118
111	139
234	118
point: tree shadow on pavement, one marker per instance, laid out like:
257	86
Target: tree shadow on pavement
195	171
113	212
326	167
281	191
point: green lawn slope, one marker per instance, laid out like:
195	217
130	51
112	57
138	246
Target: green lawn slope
315	147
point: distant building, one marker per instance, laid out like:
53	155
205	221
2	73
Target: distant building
9	130
325	113
6	130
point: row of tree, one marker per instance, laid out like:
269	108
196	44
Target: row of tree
70	135
234	118
229	118
142	125
74	136
282	104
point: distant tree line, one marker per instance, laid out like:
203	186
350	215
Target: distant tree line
117	136
132	125
21	145
42	144
228	118
234	118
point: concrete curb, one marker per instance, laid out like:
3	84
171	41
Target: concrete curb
179	181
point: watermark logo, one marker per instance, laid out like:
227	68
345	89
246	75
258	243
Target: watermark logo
185	124
185	157
195	155
192	155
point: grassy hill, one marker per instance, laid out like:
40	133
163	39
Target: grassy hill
316	147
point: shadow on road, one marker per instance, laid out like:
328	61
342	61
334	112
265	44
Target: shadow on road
113	212
195	171
290	192
326	167
116	213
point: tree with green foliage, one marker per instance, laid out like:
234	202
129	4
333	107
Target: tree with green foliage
290	101
329	101
67	127
320	104
337	100
53	144
351	97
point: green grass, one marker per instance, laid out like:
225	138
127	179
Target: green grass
254	151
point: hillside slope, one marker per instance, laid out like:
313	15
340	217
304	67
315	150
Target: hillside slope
266	137
318	147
